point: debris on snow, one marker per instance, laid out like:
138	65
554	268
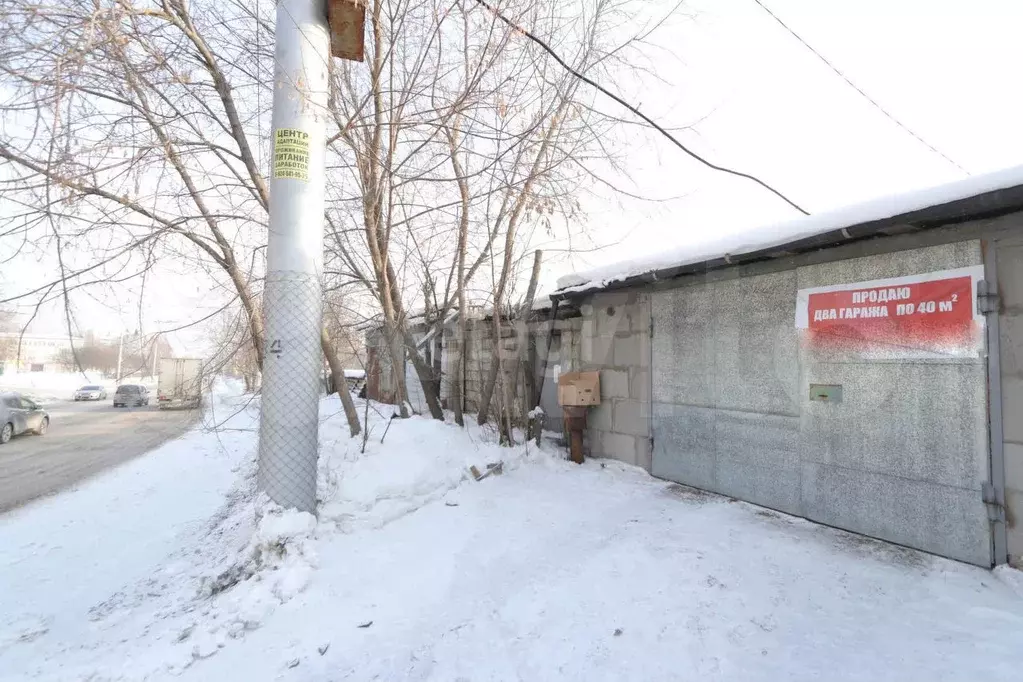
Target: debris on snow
365	625
278	545
492	468
185	633
207	645
23	630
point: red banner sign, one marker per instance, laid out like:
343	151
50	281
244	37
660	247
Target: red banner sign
933	314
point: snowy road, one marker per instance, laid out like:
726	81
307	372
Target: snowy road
84	439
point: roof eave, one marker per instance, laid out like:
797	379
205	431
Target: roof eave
981	206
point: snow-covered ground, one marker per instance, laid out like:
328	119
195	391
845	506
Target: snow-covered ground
172	567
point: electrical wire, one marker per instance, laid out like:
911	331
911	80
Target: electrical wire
857	88
635	110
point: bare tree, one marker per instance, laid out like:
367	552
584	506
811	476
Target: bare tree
459	143
135	134
147	116
137	126
233	354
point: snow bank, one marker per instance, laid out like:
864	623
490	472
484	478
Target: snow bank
276	564
256	558
63	381
549	571
74	564
558	572
418	462
779	234
49	387
1011	577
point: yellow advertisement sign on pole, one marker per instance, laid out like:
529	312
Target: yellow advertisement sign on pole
291	154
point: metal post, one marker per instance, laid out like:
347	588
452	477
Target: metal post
292	305
120	354
547	355
156	353
999	533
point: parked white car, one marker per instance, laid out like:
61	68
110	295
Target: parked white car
91	392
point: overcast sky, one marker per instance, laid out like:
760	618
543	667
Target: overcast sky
761	102
755	99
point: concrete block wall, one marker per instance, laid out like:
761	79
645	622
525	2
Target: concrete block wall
477	363
381	385
479	356
612	336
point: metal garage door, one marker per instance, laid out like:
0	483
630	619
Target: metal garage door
1008	454
897	449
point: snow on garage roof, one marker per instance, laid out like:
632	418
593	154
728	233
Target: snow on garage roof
972	197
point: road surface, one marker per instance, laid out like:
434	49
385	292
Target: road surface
83	439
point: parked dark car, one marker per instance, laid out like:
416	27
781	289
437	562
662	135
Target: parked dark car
131	395
18	415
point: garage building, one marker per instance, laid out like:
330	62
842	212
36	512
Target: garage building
860	368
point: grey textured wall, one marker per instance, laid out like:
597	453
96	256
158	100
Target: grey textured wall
902	457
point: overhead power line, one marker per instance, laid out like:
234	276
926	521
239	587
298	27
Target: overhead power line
635	110
857	88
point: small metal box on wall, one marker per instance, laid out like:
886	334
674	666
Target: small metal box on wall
579	389
826	393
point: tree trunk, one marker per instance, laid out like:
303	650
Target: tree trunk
488	387
495	366
426	378
456	378
438	364
253	315
337	374
525	338
423	371
509	243
397	351
458	370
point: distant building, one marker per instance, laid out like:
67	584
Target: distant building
39	352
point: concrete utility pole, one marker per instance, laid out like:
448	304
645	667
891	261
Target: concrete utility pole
120	354
292	301
156	353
